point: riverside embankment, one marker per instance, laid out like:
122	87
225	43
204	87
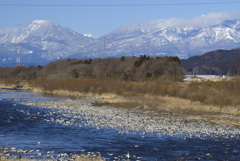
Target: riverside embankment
182	108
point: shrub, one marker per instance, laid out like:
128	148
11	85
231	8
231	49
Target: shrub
197	96
172	90
183	92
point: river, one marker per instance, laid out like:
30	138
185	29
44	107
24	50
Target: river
25	127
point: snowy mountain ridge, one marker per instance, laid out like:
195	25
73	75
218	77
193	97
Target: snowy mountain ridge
42	41
180	41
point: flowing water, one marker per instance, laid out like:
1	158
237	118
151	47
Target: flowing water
25	127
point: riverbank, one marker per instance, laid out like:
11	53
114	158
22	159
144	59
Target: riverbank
192	110
181	108
99	114
6	155
91	124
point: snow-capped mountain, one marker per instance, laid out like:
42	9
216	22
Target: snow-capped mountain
42	41
136	39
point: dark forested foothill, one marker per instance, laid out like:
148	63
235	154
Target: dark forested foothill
26	73
218	62
98	75
132	75
125	68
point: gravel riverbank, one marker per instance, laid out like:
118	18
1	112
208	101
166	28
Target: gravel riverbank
81	112
136	128
6	155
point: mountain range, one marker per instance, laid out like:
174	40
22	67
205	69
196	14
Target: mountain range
42	41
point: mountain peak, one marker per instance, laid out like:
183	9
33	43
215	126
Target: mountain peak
230	23
41	21
88	35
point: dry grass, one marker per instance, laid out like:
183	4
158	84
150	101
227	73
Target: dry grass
88	158
82	157
194	98
12	159
223	94
181	108
167	103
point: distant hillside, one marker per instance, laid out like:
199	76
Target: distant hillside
219	62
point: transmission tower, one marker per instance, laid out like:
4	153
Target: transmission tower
18	57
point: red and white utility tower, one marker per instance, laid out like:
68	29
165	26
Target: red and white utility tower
18	57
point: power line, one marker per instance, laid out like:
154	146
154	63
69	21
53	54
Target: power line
118	5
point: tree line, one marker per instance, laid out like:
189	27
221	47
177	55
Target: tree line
140	68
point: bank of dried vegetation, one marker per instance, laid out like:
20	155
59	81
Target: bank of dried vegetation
126	76
76	158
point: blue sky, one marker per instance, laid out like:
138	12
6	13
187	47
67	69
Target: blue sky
99	20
